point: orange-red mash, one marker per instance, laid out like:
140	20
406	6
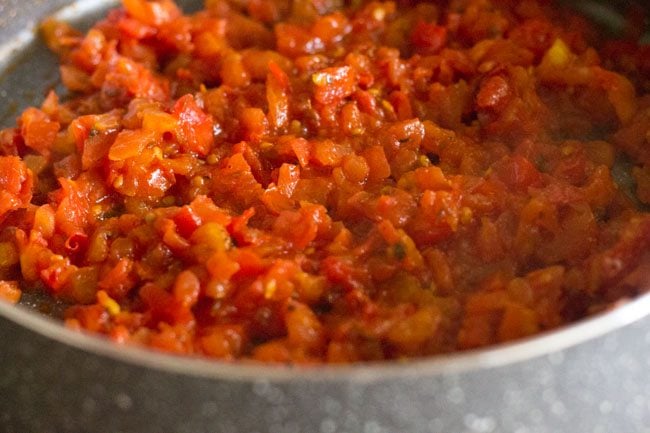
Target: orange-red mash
317	181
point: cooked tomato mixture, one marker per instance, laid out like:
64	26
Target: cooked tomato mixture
320	181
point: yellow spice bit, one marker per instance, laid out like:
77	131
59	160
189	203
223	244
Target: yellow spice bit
265	145
320	79
567	150
387	106
198	181
486	67
108	303
296	127
202	88
466	215
559	54
212	159
118	182
270	287
379	14
424	161
157	153
150	217
168	200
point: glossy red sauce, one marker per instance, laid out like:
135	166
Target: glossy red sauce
325	181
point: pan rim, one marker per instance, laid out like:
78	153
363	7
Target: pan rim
455	363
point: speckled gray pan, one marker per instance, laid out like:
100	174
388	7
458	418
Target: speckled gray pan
588	378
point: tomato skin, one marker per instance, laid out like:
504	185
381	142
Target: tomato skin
153	13
38	131
519	173
194	132
9	291
277	97
334	84
129	144
187	221
16	182
119	281
429	38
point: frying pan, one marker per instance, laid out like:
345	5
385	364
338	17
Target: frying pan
588	377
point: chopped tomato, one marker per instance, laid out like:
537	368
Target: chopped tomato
330	181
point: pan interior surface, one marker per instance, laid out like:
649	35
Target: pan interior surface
29	70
